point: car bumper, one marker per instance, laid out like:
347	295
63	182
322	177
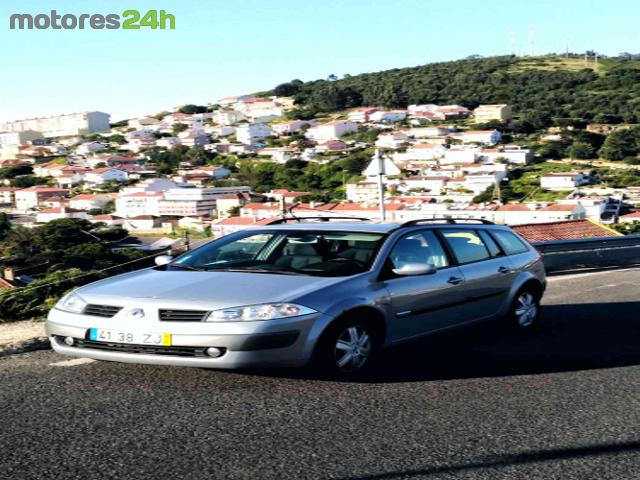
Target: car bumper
286	342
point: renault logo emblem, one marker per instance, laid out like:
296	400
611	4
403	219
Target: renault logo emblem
136	313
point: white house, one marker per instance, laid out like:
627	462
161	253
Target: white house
563	181
431	131
251	133
90	147
228	117
391	116
168	142
487	137
509	153
391	140
88	201
430	183
57	213
331	131
33	197
278	154
421	151
292	126
214	171
361	115
362	192
460	155
101	175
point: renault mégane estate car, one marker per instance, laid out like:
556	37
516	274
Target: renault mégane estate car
333	293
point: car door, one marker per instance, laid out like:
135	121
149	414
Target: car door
487	271
422	303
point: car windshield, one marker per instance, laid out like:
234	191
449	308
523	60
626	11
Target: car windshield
286	252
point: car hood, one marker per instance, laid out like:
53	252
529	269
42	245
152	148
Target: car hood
208	290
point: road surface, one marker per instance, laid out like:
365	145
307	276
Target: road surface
564	403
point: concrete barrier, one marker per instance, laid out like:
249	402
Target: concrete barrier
561	255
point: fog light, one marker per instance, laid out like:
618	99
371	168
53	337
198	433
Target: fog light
214	352
69	341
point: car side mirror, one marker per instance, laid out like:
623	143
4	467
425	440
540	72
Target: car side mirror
163	260
412	269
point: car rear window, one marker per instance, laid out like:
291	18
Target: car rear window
466	244
509	242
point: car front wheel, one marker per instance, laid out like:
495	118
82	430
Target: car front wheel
347	349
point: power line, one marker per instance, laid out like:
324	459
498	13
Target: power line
95	272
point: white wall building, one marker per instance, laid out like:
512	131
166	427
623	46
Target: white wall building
61	125
252	133
563	181
331	131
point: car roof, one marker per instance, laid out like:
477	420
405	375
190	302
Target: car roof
370	227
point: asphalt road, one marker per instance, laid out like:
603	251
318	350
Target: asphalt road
563	404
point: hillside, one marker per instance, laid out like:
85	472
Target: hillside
540	88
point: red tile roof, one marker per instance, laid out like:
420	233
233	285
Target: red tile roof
564	230
514	207
558	208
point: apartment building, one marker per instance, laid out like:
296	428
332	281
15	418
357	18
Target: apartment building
488	113
61	125
33	197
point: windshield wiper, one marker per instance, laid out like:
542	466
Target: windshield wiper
187	267
276	271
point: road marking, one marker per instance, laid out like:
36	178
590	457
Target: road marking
72	363
588	274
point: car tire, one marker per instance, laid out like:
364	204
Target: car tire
524	313
348	349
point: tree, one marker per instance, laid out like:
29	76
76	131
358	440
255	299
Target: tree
13	172
5	225
581	150
190	109
27	181
179	127
618	145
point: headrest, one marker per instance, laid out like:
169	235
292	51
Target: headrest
301	249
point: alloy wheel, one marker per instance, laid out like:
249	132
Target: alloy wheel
352	349
526	309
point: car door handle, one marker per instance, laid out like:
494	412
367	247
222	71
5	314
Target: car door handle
455	280
504	270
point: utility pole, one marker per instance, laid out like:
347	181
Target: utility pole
566	55
532	41
512	42
381	172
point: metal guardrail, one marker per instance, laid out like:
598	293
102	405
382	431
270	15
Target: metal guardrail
564	255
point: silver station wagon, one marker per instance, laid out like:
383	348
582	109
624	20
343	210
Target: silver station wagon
333	293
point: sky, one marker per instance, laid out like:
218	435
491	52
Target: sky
221	47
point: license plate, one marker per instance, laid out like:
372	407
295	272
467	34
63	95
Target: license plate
120	336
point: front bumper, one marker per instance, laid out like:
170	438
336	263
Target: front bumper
285	342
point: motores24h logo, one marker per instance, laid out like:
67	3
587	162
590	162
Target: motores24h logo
128	20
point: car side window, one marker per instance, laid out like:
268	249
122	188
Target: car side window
510	242
491	244
466	245
419	247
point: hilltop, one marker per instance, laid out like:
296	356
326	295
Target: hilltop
540	89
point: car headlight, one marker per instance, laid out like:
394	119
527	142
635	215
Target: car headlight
267	311
72	303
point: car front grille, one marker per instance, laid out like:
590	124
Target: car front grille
139	349
182	315
106	311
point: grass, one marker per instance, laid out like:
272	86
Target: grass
554	63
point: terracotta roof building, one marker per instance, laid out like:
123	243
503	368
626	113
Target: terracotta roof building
565	230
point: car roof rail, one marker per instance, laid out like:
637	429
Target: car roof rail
318	218
447	220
